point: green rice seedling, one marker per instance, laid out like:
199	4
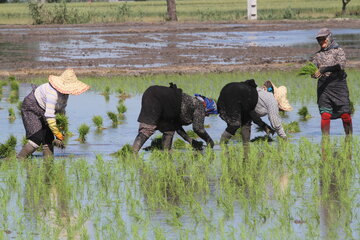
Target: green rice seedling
83	131
179	144
12	115
292	127
124	151
352	108
192	134
11	78
62	122
156	144
8	148
13	96
106	91
98	122
304	113
121	109
14	86
308	69
19	105
113	117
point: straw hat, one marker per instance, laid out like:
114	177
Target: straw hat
68	83
280	96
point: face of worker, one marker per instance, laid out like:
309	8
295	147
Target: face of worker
323	42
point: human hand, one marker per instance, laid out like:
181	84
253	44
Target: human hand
317	74
59	136
197	145
269	130
58	143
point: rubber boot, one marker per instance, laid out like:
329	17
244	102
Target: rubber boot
325	123
167	140
347	123
139	142
225	136
48	151
26	151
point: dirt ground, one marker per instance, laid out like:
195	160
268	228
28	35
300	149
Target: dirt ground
21	59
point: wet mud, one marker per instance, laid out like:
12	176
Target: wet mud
142	48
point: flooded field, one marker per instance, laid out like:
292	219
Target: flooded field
163	46
304	188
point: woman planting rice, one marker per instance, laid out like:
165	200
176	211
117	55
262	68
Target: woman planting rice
332	91
39	108
167	109
240	103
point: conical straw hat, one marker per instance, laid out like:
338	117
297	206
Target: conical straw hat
280	96
68	83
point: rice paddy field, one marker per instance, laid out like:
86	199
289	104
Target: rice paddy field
303	188
187	10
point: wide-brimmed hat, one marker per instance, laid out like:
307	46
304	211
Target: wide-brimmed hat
67	83
280	96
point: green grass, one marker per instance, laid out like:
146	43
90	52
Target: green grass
200	10
300	89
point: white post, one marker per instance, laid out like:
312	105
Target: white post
251	9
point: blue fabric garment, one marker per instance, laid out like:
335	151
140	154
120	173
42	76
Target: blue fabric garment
210	104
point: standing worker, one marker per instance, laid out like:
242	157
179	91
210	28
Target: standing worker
167	109
240	103
332	91
39	108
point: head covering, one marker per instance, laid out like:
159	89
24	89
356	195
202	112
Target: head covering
209	104
280	96
68	83
326	33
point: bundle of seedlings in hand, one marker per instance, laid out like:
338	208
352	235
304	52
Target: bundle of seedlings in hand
304	113
8	147
83	131
12	115
62	123
308	69
292	127
98	122
113	118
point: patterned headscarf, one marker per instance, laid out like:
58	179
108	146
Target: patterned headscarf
325	32
209	104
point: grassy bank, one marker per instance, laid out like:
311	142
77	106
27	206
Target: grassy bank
193	10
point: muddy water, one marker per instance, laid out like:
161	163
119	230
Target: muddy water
82	108
86	48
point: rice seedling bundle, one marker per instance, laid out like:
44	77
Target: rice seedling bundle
113	118
62	123
83	131
308	69
98	121
8	147
304	113
11	114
